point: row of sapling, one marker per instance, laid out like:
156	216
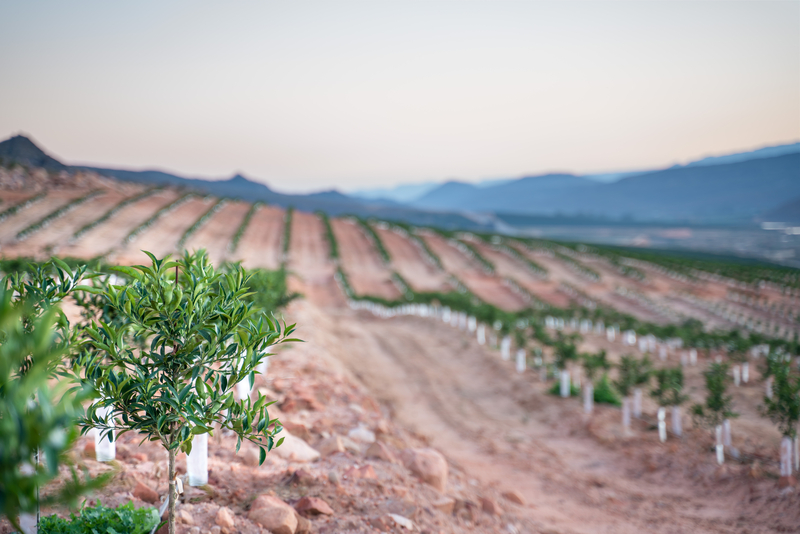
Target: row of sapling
668	392
633	373
163	350
783	408
717	410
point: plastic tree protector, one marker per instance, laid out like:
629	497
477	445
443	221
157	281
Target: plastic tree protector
197	461
662	424
105	450
505	348
521	361
565	384
588	397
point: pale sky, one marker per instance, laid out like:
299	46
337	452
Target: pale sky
313	95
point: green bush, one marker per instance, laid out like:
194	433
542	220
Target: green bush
604	392
555	389
101	520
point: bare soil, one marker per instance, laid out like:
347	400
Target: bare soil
216	234
366	271
261	244
309	262
408	261
10	227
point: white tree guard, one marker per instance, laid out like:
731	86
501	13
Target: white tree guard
472	324
197	461
768	388
786	456
677	426
745	372
462	321
720	446
564	387
481	334
576	377
243	388
28	522
637	403
446	315
543	373
737	375
505	348
263	367
684	359
726	432
626	413
521	363
662	424
610	334
588	397
692	356
797	454
105	450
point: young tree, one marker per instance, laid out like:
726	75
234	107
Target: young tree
783	409
669	392
718	405
592	365
203	338
35	416
633	372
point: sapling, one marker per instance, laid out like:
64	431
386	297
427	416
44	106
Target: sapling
718	406
203	339
592	365
784	410
565	352
668	392
632	372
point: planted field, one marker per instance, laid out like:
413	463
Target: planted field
409	262
24	218
310	263
261	242
163	236
367	272
216	234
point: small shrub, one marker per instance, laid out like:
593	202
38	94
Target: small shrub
604	392
718	405
101	520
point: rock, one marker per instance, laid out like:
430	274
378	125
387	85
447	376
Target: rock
273	514
295	449
351	445
402	521
145	493
786	482
381	451
296	429
303	525
250	457
194	530
515	497
429	465
215	530
140	457
89	450
331	445
444	505
333	478
184	517
362	434
490	506
313	506
382	523
365	471
300	398
302	477
224	519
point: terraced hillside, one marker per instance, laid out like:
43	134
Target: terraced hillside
382	300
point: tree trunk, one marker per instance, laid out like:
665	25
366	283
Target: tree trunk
172	492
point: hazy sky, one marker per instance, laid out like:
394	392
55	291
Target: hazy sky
310	95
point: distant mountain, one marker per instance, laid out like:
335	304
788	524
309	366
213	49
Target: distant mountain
401	193
19	149
766	152
22	150
532	194
788	212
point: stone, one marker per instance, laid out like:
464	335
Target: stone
380	451
250	457
490	506
365	471
444	505
295	449
331	445
515	497
145	493
351	445
786	482
362	434
296	429
224	518
184	517
401	521
333	478
89	450
215	530
194	530
303	478
313	506
303	525
273	514
427	464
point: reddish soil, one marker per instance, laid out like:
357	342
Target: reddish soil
366	271
309	262
216	234
162	238
46	242
409	262
486	287
109	235
10	227
261	244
